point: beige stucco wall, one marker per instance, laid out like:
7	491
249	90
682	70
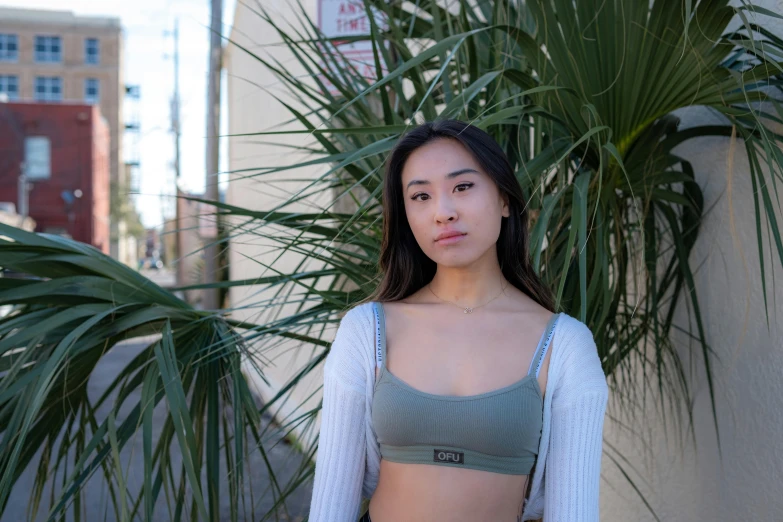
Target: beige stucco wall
691	482
252	108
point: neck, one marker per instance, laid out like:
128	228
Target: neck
468	286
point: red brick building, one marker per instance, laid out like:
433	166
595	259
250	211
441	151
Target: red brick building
67	149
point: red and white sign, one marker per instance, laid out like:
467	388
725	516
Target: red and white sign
349	18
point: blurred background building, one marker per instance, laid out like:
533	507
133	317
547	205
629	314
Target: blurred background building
56	57
64	152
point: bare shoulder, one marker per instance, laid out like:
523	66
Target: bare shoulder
412	307
535	317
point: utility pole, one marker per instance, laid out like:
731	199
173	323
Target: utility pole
210	295
175	129
23	198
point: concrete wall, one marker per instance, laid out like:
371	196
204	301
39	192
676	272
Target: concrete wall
192	260
253	108
692	481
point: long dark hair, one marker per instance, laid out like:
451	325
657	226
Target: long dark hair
404	267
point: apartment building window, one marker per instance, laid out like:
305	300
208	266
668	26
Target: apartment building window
9	87
48	88
38	157
91	90
9	47
48	49
92	51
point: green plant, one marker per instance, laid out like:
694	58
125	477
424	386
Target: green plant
75	306
583	99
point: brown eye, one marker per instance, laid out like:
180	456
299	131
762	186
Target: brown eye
465	185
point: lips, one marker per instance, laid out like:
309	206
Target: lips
447	235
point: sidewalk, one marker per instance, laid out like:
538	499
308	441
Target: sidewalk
283	459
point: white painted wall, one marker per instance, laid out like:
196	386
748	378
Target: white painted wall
252	108
691	482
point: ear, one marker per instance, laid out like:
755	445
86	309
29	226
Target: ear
504	211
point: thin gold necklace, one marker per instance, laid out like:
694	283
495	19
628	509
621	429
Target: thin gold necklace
467	309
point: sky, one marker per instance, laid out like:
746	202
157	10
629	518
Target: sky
149	47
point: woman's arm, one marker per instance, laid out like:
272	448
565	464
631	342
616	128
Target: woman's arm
340	461
573	468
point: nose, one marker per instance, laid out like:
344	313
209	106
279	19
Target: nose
445	211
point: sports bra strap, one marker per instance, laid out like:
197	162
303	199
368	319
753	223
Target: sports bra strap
543	344
380	333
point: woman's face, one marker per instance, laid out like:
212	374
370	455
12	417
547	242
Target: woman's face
445	191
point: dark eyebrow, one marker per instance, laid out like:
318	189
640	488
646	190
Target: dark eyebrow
448	176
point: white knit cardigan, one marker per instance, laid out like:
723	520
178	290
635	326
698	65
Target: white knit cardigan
564	488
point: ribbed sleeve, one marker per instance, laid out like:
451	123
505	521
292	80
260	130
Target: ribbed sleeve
339	468
573	463
340	461
573	468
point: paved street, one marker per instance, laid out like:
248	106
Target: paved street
97	506
164	277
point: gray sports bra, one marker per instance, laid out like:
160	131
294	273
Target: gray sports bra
496	431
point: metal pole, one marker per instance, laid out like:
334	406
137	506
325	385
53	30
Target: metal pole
175	127
176	99
23	195
210	301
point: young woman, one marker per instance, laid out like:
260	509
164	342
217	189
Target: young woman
457	392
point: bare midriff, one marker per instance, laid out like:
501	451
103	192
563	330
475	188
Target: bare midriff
416	492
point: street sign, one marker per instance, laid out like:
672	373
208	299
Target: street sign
348	18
